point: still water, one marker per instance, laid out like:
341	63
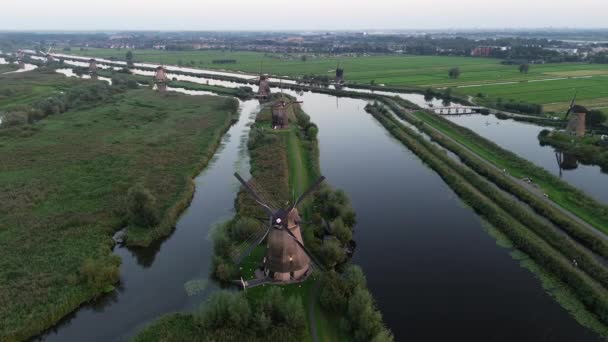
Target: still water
436	273
433	269
522	138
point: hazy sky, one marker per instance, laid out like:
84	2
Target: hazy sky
303	14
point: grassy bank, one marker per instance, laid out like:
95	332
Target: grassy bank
590	150
64	182
559	191
544	245
284	162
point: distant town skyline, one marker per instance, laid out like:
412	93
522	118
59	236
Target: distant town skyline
308	15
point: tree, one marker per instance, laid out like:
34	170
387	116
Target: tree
129	57
454	72
524	68
141	207
303	58
595	118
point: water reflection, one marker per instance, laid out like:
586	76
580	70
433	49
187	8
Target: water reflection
522	139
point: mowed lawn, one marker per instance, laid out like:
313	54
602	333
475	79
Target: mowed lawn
63	184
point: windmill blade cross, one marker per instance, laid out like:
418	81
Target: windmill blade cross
312	188
572	104
304	249
254	194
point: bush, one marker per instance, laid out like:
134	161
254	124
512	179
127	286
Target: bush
141	207
343	233
332	253
243	228
226	310
99	275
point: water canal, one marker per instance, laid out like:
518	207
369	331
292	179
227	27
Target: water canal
430	263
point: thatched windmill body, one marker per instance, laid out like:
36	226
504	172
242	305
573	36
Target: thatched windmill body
339	75
20	56
578	117
286	258
48	56
160	78
263	82
280	111
92	67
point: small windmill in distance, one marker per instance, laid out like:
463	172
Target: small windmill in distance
280	116
48	56
263	84
577	123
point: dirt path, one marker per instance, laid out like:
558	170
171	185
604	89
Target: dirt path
311	311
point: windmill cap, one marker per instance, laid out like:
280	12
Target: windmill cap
579	109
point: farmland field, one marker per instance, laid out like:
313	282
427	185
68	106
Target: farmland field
478	75
63	185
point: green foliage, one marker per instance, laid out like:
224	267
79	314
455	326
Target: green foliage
595	118
348	294
332	253
141	207
454	72
98	274
96	150
226	310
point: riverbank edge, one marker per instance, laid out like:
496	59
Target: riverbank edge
585	152
525	239
145	237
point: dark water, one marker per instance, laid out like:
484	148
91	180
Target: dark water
433	269
153	281
522	138
436	274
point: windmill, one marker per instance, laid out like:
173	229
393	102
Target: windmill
339	75
263	83
48	56
577	123
92	66
20	56
280	117
286	259
160	78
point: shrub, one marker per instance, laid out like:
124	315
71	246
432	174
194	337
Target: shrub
332	253
141	207
243	228
98	275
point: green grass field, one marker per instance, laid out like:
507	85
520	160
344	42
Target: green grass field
63	183
420	71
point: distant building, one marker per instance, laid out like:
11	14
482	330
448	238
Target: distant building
482	51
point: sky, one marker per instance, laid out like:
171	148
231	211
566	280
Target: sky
299	15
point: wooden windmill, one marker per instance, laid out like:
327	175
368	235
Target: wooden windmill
160	78
280	111
92	66
263	83
286	258
48	56
339	75
577	123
